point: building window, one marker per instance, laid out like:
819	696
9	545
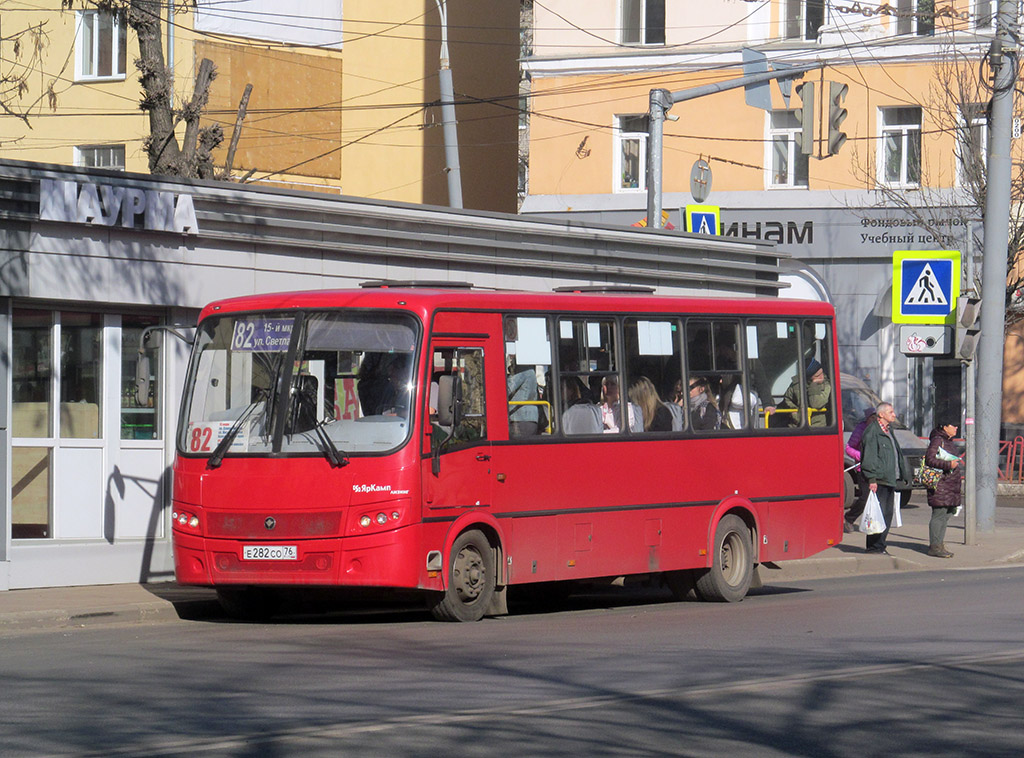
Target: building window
643	22
100	45
140	379
631	155
100	156
972	144
804	18
915	17
789	165
901	146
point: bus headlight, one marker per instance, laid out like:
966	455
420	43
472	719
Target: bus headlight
365	521
382	518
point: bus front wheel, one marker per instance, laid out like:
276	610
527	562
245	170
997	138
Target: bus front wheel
471	580
732	568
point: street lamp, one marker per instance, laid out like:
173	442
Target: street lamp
451	139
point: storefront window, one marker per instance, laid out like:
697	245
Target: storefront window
140	403
32	373
30	492
80	375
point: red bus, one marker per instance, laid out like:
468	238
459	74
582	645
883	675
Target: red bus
459	442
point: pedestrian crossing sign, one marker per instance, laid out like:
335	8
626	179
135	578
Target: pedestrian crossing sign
925	286
702	219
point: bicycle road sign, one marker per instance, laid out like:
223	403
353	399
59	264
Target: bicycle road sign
925	286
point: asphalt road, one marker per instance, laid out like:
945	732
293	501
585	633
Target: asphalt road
928	663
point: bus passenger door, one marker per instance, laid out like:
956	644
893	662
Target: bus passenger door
456	465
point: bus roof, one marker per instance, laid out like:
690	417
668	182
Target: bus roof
428	299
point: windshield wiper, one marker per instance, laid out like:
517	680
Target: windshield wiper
335	457
217	457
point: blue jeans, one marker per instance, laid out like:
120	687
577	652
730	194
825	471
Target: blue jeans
886	495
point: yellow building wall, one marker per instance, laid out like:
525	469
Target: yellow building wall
83	112
362	120
727	132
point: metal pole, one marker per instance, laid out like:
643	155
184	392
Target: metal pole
997	214
451	138
970	466
661	101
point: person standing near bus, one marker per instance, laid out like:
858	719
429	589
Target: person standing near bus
885	468
945	498
853	450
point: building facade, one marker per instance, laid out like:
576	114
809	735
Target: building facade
870	152
313	96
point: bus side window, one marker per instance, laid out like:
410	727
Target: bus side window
817	347
586	357
653	369
773	358
527	368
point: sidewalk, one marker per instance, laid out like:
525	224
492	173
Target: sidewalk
70	607
908	547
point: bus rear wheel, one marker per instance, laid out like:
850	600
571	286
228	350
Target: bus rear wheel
732	568
471	580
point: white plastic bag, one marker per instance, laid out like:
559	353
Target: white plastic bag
897	520
872	521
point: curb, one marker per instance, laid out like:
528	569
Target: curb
136	613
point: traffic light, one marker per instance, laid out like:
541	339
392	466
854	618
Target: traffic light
836	116
968	328
806	92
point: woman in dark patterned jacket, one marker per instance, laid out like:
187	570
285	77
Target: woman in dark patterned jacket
945	498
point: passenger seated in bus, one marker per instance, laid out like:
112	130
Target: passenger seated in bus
581	416
704	415
657	418
819	393
522	387
610	408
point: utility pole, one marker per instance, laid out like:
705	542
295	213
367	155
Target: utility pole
451	138
662	101
1003	56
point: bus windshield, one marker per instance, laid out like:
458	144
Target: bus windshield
300	382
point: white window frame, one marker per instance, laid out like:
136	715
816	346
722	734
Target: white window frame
792	135
81	152
643	32
621	138
86	36
907	133
796	15
973	119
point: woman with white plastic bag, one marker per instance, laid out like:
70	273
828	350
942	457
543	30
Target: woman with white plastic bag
885	469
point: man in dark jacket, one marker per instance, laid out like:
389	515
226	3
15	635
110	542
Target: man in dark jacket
884	467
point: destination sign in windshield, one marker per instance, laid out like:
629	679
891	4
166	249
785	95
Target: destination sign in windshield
263	335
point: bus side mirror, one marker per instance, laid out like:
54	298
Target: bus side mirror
448	400
142	380
447	417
